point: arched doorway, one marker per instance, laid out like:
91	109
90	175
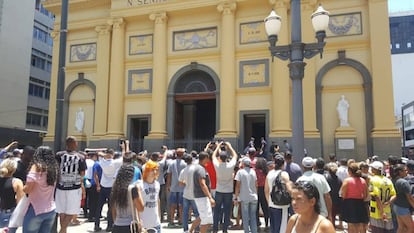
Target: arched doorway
192	117
79	95
356	71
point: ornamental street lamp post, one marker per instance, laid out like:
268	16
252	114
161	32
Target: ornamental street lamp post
58	139
296	51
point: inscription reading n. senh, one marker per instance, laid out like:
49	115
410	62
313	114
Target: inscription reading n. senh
144	2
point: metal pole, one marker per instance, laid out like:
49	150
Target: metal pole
296	73
403	130
61	78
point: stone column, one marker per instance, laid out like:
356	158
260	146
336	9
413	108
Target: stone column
309	89
227	71
279	73
160	77
102	73
116	79
381	66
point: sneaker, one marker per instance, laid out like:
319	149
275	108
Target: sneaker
108	229
97	229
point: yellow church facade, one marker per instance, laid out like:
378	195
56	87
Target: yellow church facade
182	72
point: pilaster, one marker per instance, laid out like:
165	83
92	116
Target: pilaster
116	79
279	73
309	89
228	71
102	82
160	77
381	70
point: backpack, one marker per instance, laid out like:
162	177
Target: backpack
279	194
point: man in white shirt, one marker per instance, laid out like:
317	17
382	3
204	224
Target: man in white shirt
246	193
342	172
321	184
224	188
109	167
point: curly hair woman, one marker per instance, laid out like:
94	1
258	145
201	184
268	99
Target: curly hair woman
40	186
121	201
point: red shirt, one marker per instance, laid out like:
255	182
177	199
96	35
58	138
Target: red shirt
212	174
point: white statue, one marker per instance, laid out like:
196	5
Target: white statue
79	120
342	109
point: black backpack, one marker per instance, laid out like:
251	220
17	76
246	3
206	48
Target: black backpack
279	194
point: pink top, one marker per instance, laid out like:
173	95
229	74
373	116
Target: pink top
355	188
42	195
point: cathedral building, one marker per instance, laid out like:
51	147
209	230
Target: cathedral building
185	72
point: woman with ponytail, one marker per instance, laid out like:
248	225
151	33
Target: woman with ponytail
121	200
354	190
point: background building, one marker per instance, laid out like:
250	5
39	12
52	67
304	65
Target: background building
402	49
184	72
25	64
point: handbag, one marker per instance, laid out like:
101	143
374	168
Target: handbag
16	219
134	226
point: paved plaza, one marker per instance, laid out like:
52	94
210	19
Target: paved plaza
88	227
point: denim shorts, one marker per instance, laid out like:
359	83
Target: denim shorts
398	210
5	217
176	198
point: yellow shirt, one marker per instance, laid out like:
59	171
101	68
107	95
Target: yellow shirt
382	187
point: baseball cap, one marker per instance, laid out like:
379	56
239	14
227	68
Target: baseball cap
377	165
279	160
308	162
246	161
17	152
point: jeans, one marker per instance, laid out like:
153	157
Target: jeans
104	195
33	223
5	217
186	207
249	213
278	219
222	200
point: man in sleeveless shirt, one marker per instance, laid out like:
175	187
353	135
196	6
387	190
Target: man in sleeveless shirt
69	189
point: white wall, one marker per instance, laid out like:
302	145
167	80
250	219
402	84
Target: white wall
403	80
15	53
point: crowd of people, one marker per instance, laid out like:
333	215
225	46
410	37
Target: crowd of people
214	189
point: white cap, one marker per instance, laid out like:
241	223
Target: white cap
377	165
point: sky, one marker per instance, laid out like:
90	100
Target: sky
400	5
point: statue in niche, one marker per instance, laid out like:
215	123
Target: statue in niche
342	109
79	120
